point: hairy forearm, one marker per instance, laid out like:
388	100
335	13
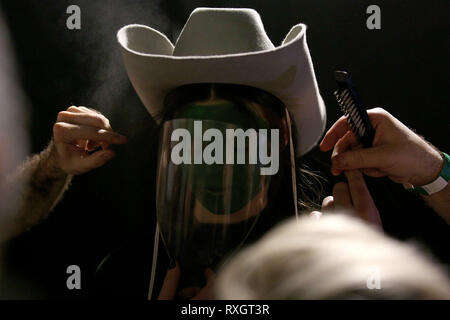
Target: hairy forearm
40	185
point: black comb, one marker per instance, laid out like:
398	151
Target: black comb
351	105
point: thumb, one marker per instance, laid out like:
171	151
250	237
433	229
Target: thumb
97	159
375	157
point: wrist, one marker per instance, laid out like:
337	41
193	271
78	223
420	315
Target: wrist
438	184
432	165
52	164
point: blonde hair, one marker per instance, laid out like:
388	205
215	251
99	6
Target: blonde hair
334	257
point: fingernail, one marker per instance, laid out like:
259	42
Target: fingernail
315	214
335	172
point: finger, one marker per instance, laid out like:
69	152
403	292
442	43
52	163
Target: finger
378	115
188	293
337	131
95	160
362	200
92	145
170	284
374	173
340	127
82	109
347	142
89	110
81	143
359	193
207	292
105	146
375	157
315	214
67	133
88	119
74	109
328	203
88	145
341	195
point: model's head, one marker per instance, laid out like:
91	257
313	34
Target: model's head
211	187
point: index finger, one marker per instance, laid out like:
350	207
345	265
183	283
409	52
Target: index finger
362	199
359	192
337	131
68	133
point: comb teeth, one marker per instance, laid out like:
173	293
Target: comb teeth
348	107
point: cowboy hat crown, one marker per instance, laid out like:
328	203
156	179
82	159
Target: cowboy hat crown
229	31
227	45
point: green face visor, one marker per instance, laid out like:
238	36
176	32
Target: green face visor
207	204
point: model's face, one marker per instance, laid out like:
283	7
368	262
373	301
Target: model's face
224	188
206	210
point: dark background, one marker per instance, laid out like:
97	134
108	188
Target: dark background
403	67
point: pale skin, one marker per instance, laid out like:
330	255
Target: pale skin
76	133
397	153
354	196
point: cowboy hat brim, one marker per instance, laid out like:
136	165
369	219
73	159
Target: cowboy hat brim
285	71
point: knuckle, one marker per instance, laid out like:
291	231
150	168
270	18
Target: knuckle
334	156
342	118
92	110
103	120
63	115
379	112
73	108
59	127
97	120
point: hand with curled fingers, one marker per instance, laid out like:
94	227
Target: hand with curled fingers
397	151
77	132
354	197
170	291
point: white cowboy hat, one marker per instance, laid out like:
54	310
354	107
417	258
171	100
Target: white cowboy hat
223	45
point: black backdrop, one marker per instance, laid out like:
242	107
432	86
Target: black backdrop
402	67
